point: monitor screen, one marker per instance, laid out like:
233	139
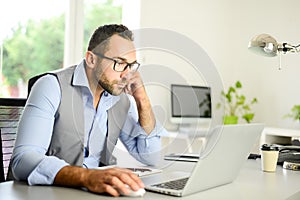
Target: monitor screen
190	103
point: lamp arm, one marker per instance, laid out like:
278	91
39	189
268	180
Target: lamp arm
297	48
285	47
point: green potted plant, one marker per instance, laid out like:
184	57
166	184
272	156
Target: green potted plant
294	113
235	105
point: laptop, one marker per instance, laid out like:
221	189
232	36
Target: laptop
226	151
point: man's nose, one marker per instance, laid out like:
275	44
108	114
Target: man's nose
125	74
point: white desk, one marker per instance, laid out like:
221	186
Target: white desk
251	184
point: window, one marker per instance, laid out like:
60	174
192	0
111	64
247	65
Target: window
33	40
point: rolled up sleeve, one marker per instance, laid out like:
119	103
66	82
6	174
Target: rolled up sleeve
29	160
142	146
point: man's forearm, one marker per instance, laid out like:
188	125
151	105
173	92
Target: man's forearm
112	181
146	115
71	176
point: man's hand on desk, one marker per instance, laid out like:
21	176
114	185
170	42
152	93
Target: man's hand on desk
111	180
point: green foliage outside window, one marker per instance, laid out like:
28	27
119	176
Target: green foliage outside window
38	46
33	49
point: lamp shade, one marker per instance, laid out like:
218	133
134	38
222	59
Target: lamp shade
264	45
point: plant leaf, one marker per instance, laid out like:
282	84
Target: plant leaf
248	117
238	84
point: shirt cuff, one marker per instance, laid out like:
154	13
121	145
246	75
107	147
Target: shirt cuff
158	131
46	171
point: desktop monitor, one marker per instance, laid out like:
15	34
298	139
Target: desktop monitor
190	105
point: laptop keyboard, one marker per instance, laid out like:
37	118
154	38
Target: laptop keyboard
175	185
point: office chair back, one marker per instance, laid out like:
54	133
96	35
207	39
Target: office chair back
2	177
10	112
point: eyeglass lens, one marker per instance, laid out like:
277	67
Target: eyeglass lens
120	67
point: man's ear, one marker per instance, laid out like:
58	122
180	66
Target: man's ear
90	59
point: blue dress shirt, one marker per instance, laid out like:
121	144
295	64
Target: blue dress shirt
36	125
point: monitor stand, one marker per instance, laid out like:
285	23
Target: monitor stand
193	130
194	136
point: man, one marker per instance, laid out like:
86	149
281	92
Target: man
73	118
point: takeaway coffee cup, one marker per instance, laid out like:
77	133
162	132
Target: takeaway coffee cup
269	157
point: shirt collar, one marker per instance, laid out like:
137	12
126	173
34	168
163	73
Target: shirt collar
80	77
109	100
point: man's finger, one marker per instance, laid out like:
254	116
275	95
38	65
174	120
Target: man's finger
111	190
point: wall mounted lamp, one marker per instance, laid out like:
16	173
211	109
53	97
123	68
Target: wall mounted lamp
266	45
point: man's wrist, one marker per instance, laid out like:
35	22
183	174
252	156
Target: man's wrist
72	176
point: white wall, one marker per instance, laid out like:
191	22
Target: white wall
223	29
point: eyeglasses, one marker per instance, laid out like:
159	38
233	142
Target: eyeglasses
120	65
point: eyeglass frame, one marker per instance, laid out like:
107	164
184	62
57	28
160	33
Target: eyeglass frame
115	62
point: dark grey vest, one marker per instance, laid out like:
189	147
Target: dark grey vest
67	140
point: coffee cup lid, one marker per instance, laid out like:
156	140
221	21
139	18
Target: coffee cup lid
267	147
